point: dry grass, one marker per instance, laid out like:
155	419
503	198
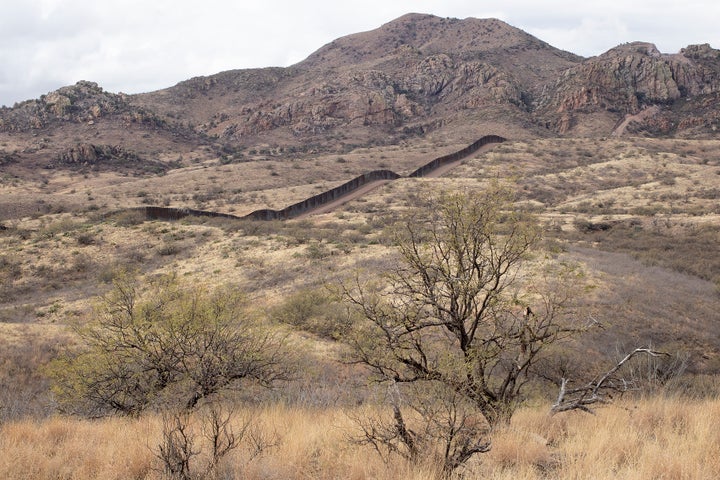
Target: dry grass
652	438
69	448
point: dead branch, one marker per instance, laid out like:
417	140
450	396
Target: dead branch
597	391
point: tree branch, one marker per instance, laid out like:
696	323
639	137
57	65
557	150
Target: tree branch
597	390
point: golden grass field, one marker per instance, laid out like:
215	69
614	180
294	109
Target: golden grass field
652	438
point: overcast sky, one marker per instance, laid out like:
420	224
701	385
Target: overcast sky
143	45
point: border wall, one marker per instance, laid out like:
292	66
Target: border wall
325	197
296	209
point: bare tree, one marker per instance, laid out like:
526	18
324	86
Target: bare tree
169	344
455	315
180	444
177	447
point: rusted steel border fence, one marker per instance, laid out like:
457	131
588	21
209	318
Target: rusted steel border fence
323	198
454	157
170	213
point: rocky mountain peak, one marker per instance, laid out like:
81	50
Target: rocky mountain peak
629	78
701	52
633	49
82	102
424	35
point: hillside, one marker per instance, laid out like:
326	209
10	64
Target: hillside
616	155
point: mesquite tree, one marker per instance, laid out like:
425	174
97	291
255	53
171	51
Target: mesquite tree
461	319
165	344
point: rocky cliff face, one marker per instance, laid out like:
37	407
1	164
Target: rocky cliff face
629	78
373	98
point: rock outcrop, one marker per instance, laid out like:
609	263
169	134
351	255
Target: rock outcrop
629	78
83	102
84	156
88	154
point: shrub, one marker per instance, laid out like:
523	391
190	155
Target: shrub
168	345
316	311
170	248
129	218
86	239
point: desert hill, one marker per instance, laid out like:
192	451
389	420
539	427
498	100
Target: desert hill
409	77
617	155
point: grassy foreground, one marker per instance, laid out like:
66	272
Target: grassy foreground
653	438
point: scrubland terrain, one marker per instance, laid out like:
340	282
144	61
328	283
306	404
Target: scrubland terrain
640	216
615	159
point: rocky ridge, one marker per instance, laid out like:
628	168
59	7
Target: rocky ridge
629	78
83	102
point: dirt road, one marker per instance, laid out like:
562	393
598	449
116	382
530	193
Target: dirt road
638	117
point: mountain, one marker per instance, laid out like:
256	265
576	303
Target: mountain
418	75
408	77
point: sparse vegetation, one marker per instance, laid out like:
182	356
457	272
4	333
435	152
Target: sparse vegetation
175	360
